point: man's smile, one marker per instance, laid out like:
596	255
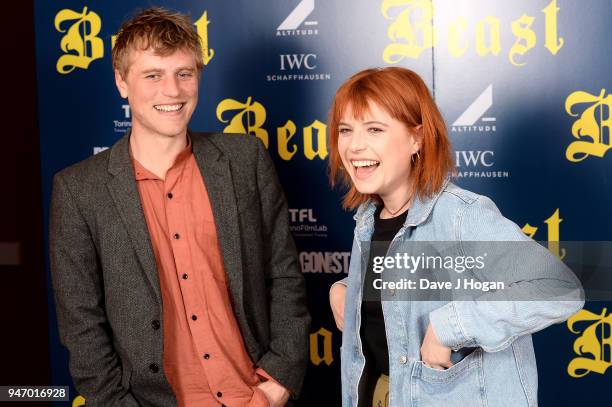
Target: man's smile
169	108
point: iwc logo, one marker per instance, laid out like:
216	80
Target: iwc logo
298	67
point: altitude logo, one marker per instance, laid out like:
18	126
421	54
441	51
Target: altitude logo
296	23
477	163
473	119
298	66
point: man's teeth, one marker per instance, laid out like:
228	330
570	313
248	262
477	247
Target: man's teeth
169	108
364	163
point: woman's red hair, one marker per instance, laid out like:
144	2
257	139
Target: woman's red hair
404	95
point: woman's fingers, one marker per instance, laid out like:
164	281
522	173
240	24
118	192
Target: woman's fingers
438	365
433	353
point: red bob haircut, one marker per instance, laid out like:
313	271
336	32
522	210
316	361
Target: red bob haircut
404	95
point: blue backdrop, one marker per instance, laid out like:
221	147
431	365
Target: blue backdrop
524	87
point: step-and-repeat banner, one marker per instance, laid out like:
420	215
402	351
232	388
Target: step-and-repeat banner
524	86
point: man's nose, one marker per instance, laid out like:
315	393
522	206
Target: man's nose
171	86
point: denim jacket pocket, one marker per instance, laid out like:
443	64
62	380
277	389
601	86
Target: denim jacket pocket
462	384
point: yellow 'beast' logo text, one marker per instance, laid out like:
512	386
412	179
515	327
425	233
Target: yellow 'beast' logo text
412	32
589	129
253	114
596	340
80	43
315	353
251	117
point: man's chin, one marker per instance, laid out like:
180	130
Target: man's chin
167	130
172	132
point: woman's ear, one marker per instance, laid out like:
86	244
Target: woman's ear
418	137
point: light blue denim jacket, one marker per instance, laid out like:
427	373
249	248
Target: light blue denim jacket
502	370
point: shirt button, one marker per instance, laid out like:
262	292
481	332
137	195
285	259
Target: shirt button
154	368
219	394
185	276
177	236
403	359
206	356
155	324
170	195
194	317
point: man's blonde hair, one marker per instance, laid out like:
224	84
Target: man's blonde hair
158	29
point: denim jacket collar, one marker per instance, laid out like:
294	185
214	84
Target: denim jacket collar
418	213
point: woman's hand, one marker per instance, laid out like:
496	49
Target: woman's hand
433	353
337	294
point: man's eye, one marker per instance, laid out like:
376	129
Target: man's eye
152	76
185	75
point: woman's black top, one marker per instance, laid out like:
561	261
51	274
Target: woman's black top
372	331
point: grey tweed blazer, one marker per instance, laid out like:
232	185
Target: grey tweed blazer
106	284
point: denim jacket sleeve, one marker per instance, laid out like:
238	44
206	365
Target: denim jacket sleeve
549	292
353	265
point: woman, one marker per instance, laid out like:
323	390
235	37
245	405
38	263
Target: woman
389	146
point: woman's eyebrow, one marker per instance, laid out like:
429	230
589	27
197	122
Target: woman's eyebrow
377	122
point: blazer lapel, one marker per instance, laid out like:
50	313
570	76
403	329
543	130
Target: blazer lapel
216	172
122	187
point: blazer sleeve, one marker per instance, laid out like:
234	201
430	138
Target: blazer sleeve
539	289
79	298
287	358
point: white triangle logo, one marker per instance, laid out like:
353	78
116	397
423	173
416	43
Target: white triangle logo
477	109
298	15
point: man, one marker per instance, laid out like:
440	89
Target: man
176	279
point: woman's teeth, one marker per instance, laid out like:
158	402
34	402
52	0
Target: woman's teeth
364	163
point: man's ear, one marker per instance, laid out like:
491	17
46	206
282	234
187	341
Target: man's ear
121	85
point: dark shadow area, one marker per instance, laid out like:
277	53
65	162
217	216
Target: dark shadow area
23	299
